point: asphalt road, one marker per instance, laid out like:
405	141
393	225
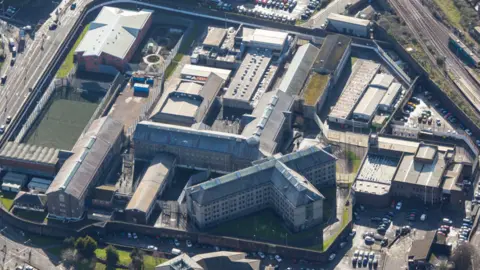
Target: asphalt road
30	64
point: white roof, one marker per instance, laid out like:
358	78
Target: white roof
269	37
348	19
203	71
369	102
113	32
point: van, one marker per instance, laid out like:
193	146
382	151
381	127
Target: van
423	217
176	251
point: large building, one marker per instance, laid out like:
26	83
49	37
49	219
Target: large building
200	74
220	260
328	65
153	183
349	25
92	158
218	49
197	149
397	169
112	39
287	184
29	159
190	103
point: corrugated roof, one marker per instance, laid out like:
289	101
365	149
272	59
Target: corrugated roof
28	152
113	32
348	19
391	94
90	150
153	179
299	68
369	102
382	80
332	50
203	71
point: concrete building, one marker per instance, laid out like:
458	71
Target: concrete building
299	69
94	153
112	39
103	196
388	101
362	74
14	182
276	41
218	49
348	25
279	183
211	261
397	169
29	159
153	183
198	149
190	103
200	74
329	64
368	104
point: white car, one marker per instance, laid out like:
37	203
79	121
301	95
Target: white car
152	247
189	243
447	221
129	235
332	257
468	132
423	217
399	206
278	258
261	255
135	236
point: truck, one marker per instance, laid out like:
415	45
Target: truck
149	80
141	88
21	40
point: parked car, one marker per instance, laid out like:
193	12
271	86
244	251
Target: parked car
353	233
261	255
278	258
369	240
332	257
447	221
399	206
9	119
189	243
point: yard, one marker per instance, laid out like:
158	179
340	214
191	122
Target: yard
7	199
149	262
68	64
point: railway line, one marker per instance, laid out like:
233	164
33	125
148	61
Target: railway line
422	23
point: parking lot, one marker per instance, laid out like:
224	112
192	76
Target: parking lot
287	11
395	256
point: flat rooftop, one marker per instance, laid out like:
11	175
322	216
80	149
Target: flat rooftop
215	36
244	85
369	102
420	173
452	177
426	152
348	19
401	145
189	88
203	71
391	94
183	106
382	80
380	169
362	73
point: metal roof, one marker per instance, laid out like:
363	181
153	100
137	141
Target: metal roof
215	36
28	152
153	179
80	169
348	19
382	80
298	70
367	106
113	32
391	94
332	51
203	71
420	173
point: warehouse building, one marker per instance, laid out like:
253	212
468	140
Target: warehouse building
217	49
39	185
190	103
271	121
200	74
211	261
368	104
14	182
93	154
158	175
29	159
269	183
328	66
299	69
196	149
389	99
362	73
348	25
112	39
274	41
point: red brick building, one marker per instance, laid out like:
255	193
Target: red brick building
112	39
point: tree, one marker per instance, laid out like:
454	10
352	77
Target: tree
69	257
86	246
463	256
137	259
112	256
69	242
440	60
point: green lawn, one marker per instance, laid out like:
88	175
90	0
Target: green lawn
68	64
149	262
451	11
354	59
354	161
7	199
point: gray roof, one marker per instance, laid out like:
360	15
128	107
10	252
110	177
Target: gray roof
369	102
294	186
348	19
299	69
306	158
391	94
182	261
270	119
382	80
153	179
28	152
226	260
30	199
420	173
332	50
209	92
113	32
215	36
183	137
90	150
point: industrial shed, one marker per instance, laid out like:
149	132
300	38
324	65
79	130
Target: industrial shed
367	106
29	159
388	101
349	25
200	73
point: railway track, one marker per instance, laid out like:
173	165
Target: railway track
420	21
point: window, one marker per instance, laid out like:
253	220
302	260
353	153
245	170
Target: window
61	198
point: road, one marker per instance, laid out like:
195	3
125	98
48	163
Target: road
31	64
319	18
421	22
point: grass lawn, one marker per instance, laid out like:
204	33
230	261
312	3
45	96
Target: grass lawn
7	199
68	64
40	240
149	262
354	59
354	161
33	216
451	11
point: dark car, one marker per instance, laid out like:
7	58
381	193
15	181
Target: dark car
384	242
381	230
376	219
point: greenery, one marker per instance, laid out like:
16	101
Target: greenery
137	258
354	161
68	64
69	242
112	256
86	246
315	88
7	199
345	219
